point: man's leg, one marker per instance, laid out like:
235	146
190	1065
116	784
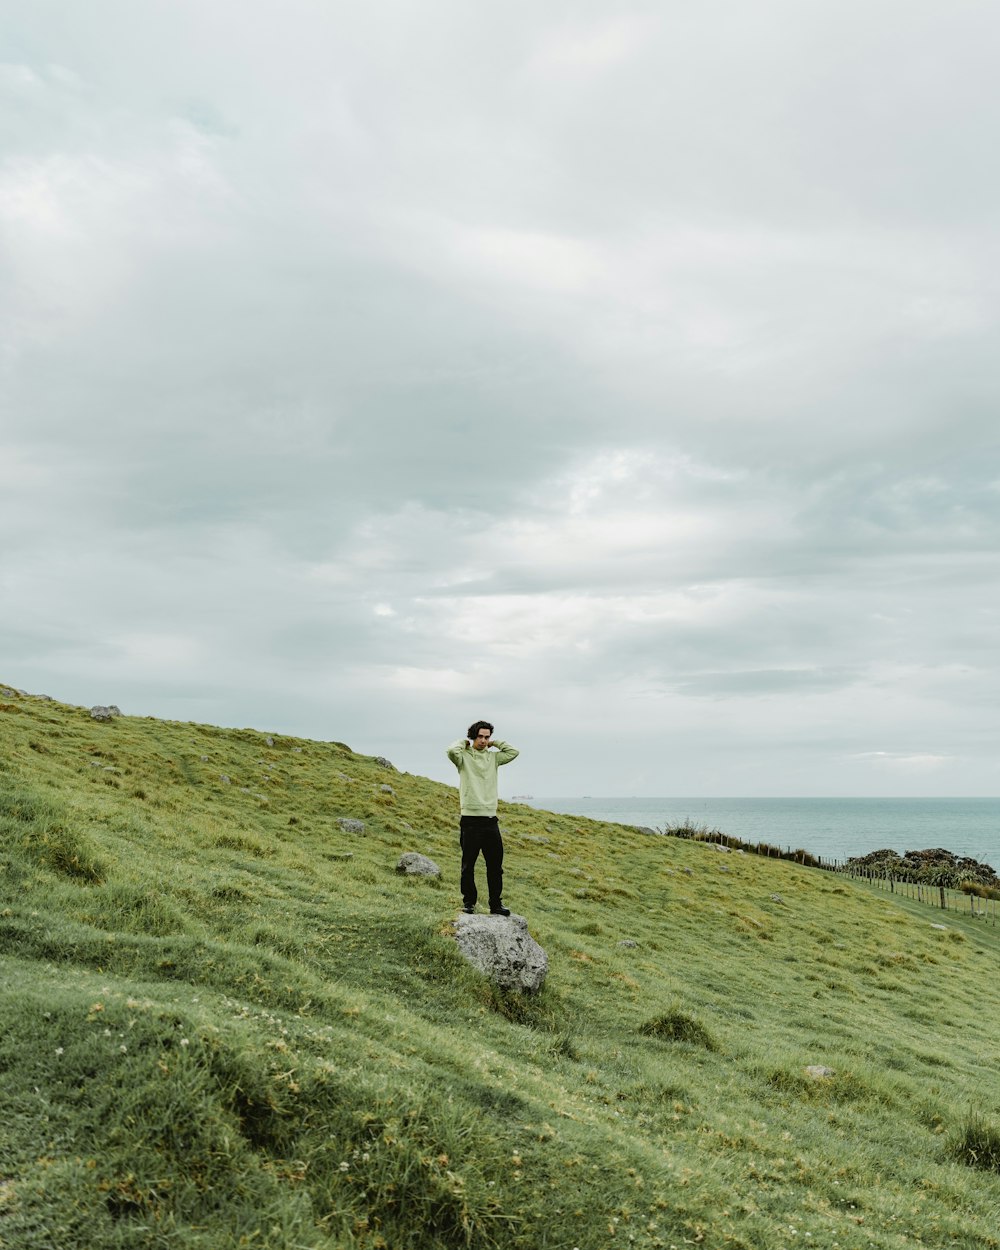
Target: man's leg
492	846
470	841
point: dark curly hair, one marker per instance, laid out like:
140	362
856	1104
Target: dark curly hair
474	729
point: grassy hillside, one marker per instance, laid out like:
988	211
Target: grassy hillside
227	1022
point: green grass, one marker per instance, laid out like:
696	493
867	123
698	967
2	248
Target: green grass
227	1022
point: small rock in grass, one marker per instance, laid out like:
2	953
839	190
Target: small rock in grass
386	790
943	927
719	847
776	898
224	779
628	942
384	763
350	825
415	865
269	741
819	1072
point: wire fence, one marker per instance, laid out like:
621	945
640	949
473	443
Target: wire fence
943	897
948	898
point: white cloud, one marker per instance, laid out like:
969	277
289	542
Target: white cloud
577	51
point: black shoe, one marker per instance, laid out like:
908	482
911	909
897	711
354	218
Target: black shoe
469	911
498	909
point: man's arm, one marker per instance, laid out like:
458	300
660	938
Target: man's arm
505	752
456	750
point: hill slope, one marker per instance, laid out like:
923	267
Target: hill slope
228	1022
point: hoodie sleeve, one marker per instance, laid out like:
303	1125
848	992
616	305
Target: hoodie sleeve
456	752
505	753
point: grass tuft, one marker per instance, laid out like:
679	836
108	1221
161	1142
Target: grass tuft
976	1143
676	1025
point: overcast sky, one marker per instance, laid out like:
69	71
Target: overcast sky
626	374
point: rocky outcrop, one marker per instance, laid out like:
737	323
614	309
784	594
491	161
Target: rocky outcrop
105	713
415	865
503	950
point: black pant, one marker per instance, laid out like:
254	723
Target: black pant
481	833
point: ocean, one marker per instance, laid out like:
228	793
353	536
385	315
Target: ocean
833	828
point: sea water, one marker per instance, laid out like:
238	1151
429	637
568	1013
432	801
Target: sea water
832	828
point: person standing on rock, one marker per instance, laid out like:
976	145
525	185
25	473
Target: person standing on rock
477	758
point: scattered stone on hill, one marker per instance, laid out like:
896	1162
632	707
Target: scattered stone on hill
628	942
350	825
269	741
224	779
719	847
688	872
723	868
344	777
934	866
105	713
656	833
297	750
9	694
503	950
203	758
416	865
819	1071
47	698
386	790
534	837
776	898
942	927
384	763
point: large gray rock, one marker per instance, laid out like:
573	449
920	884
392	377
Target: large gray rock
415	865
350	825
105	713
502	949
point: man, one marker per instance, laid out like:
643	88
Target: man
477	762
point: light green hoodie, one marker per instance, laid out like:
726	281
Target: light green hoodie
477	775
